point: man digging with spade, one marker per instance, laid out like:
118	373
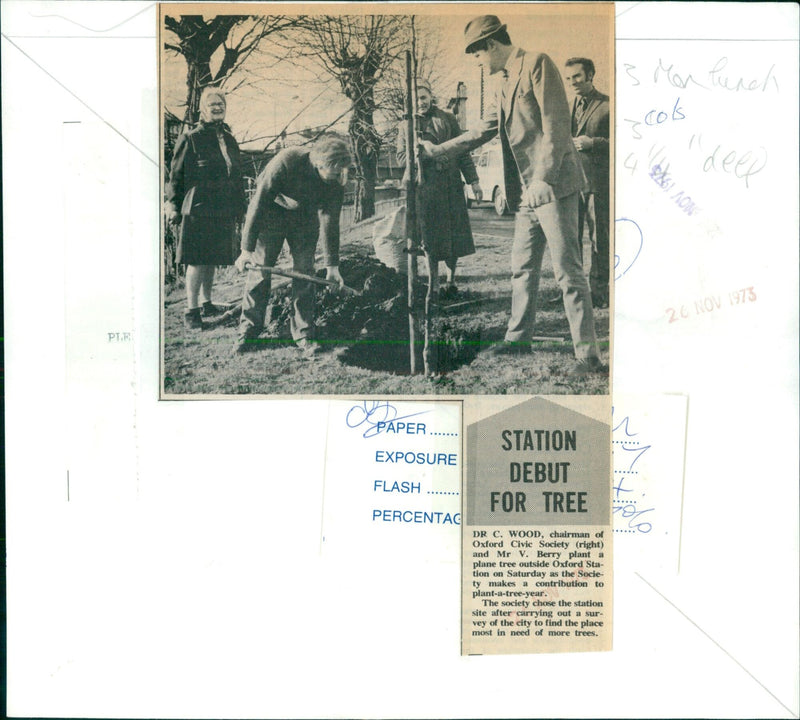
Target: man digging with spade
298	199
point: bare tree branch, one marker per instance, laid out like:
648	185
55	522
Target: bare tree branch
200	39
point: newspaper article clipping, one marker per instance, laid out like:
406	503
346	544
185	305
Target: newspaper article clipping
365	204
537	539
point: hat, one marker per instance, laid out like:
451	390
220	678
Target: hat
423	84
481	27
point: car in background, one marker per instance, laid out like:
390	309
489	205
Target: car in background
488	161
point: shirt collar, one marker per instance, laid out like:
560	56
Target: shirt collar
513	63
217	126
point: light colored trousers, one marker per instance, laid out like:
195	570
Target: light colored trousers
554	225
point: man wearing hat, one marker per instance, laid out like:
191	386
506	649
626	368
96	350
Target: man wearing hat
298	199
543	179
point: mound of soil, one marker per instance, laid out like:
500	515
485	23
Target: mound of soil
374	325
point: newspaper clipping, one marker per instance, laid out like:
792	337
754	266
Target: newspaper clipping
537	536
365	204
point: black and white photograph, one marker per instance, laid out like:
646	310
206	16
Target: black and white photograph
402	204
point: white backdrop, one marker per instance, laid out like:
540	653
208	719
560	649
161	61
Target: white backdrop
163	557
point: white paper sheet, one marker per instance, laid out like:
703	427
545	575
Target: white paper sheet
146	557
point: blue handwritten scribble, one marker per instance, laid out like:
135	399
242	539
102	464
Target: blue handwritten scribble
625	421
628	501
376	414
619	489
626	247
656	117
638	449
632	514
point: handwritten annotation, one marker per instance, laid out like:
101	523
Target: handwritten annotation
734	162
654	118
629	508
628	244
740	163
378	416
717	78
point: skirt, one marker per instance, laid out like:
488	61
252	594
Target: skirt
442	215
207	241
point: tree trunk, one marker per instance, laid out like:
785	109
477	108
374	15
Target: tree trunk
366	175
412	245
366	144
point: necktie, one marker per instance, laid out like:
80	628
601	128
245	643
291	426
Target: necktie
581	108
224	149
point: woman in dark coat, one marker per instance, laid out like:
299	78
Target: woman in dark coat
205	194
441	205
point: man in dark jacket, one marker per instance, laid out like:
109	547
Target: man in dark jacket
590	131
298	199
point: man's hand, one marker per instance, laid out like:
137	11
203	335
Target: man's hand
245	258
539	193
332	273
173	216
427	150
476	191
583	143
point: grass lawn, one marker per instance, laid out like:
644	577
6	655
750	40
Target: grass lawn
366	352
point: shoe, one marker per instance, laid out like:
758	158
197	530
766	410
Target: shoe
247	341
557	299
192	320
448	292
308	347
507	347
209	310
246	345
599	301
587	366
